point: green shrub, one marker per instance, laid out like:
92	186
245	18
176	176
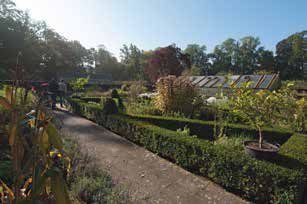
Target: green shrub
109	106
78	84
87	181
6	168
91	190
91	99
205	129
259	181
114	93
143	107
232	142
293	153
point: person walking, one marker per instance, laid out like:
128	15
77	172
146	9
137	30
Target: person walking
62	91
53	89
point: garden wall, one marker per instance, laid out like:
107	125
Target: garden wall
258	181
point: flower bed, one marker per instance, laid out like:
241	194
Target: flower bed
259	181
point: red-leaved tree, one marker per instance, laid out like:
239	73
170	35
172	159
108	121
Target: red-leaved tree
166	61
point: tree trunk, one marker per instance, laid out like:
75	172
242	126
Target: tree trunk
260	137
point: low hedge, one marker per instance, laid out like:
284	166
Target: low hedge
294	152
258	181
91	99
94	110
205	129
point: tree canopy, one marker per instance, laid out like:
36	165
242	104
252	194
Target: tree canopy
46	53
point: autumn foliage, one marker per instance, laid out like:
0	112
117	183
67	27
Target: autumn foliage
175	95
166	61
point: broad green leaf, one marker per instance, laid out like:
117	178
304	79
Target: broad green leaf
54	137
40	181
60	189
44	142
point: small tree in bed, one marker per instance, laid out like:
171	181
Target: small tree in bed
256	108
268	108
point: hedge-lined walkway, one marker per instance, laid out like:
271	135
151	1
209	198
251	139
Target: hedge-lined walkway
149	178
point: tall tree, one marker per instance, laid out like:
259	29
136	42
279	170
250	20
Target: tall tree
198	57
245	56
225	57
45	53
106	63
166	61
290	56
248	54
266	61
134	60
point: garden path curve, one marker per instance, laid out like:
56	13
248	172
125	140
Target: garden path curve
149	178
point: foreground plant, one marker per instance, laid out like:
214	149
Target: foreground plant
39	163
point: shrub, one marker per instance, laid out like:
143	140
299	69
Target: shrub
143	106
205	129
91	99
87	181
175	95
124	87
93	88
135	90
109	106
259	181
91	190
78	84
114	93
294	152
121	106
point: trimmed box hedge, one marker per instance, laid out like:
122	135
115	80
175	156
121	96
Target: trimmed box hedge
205	129
255	180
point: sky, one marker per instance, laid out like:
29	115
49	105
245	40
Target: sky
157	23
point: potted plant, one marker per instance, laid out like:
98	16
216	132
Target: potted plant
259	109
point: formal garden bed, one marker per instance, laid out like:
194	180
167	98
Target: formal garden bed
208	139
281	180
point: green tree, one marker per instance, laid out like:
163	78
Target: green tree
198	57
106	63
266	61
225	57
134	60
45	52
245	56
248	54
290	56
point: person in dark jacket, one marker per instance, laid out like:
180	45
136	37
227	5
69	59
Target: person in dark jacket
53	87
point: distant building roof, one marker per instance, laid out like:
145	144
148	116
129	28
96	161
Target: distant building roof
259	81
